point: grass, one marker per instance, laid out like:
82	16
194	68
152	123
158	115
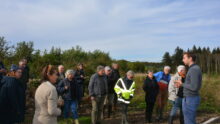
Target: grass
210	94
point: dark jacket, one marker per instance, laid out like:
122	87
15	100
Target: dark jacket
98	85
180	91
25	76
193	81
1	67
111	84
12	101
71	93
61	76
115	75
151	89
78	77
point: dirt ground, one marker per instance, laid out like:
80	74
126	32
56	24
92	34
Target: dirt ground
137	116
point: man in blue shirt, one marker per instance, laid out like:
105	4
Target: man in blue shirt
163	78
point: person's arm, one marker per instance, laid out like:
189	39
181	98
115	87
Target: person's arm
145	86
195	81
171	87
61	87
91	86
132	90
117	88
157	76
52	104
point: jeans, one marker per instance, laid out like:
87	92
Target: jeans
177	105
190	105
70	105
97	109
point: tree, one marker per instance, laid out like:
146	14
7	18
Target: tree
24	50
167	60
178	56
4	48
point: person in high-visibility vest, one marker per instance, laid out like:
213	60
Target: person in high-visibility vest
125	91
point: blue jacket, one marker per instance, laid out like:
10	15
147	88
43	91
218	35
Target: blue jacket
12	101
161	76
72	93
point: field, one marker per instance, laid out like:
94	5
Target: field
210	104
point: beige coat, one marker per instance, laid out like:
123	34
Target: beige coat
46	110
172	89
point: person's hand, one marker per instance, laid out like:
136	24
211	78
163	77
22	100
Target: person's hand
60	102
66	87
179	83
81	76
92	98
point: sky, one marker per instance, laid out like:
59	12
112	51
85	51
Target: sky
135	30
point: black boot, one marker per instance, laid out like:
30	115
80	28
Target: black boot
170	121
159	115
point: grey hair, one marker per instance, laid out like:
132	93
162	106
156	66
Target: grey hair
167	67
99	68
130	72
180	68
60	66
107	68
70	71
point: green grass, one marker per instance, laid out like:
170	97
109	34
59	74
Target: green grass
210	94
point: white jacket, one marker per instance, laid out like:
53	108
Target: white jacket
172	89
46	110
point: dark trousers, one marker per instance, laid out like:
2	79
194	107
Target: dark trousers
149	110
124	112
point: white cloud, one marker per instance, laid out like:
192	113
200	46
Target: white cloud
134	30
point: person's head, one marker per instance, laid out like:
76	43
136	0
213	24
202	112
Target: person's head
150	74
70	74
25	61
80	66
49	73
166	69
100	70
22	63
189	58
130	75
61	69
115	66
15	71
181	69
108	70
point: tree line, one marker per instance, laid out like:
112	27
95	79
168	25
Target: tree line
208	60
37	59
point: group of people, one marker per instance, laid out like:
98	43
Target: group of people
181	89
64	88
13	85
61	92
105	87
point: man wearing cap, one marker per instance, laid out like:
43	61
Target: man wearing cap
12	97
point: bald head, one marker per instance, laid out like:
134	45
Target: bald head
61	69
